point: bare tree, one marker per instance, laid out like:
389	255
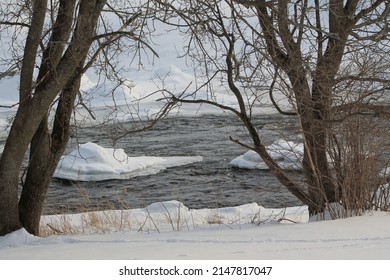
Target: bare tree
329	59
63	39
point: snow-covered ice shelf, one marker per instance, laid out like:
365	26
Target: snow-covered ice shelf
287	154
91	162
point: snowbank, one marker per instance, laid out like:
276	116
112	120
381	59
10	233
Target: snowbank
170	231
91	162
173	215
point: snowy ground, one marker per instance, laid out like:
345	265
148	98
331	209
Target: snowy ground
216	241
173	232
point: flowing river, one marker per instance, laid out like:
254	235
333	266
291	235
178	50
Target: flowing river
211	183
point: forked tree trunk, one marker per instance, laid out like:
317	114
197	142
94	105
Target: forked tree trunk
45	152
43	155
313	103
31	120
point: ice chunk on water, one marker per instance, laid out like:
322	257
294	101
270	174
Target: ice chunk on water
91	162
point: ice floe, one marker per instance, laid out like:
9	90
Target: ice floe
91	162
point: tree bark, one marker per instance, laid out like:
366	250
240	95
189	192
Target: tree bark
41	161
45	152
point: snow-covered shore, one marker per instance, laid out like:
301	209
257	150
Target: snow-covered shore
171	231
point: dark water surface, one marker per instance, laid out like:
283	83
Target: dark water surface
211	183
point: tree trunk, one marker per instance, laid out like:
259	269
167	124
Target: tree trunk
37	180
43	161
15	148
45	152
46	149
313	104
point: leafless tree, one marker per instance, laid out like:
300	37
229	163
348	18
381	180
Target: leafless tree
62	39
328	58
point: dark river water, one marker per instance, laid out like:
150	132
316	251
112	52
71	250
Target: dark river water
211	183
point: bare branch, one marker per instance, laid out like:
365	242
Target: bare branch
271	96
15	23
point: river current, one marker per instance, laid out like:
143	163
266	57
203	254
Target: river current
211	183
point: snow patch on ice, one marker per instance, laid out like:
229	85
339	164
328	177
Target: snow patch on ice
287	154
91	162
